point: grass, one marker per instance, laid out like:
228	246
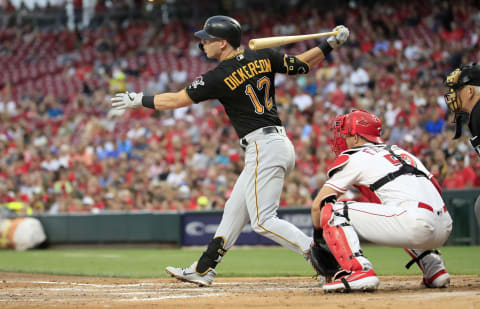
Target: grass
239	262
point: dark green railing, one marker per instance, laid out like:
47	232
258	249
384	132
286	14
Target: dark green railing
167	227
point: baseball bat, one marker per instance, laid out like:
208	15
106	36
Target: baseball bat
274	41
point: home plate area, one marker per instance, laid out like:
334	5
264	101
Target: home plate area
47	291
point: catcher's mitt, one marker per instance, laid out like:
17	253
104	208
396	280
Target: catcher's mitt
323	261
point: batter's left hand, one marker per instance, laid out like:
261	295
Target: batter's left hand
122	101
336	41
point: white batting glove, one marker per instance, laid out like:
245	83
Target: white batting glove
126	100
336	41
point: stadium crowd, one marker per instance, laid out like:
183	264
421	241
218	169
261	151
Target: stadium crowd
64	150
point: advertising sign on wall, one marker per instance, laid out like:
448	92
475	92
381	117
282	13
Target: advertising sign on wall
199	228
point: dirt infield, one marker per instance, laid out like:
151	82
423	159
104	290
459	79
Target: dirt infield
46	291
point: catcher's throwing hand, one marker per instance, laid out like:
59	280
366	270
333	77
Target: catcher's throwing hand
336	41
126	100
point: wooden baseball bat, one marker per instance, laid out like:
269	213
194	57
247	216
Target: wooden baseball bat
274	41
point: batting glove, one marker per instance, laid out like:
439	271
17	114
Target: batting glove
126	100
336	41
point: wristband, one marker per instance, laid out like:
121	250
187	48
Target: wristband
147	101
325	47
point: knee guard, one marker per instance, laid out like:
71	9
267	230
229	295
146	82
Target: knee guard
212	256
342	239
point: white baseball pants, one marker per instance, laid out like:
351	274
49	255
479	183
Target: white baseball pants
256	194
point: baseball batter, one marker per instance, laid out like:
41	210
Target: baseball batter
406	208
244	82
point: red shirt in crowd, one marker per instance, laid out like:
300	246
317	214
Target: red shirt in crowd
454	182
468	175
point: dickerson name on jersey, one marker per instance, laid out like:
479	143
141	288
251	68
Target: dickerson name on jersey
247	71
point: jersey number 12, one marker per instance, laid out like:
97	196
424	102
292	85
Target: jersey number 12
262	83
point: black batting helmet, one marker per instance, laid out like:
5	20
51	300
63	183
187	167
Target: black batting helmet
221	27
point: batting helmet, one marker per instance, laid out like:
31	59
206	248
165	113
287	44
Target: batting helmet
358	122
221	27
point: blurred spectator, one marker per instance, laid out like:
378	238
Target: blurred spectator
64	150
465	171
434	124
452	179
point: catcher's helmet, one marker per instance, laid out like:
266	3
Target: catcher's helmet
358	122
221	27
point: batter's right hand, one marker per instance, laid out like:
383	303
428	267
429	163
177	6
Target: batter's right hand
336	41
122	101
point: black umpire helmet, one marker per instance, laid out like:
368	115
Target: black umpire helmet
221	27
455	81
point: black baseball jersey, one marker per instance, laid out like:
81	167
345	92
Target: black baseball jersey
474	126
244	84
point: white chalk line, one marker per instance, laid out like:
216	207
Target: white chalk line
172	297
138	284
423	296
113	300
163	291
420	296
432	295
150	291
147	289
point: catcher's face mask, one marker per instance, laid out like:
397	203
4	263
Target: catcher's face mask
336	140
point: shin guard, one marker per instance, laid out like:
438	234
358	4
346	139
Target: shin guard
212	256
342	239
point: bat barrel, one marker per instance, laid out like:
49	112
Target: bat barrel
283	40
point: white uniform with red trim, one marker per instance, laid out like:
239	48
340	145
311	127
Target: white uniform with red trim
407	212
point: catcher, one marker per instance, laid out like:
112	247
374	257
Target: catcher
406	208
